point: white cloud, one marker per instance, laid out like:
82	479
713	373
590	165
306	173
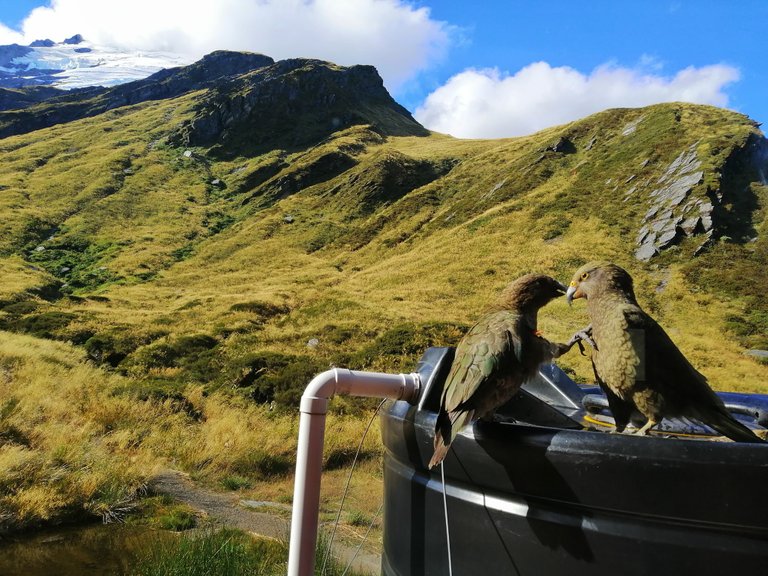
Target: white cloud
396	37
10	36
491	104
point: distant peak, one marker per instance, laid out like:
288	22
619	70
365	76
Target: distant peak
47	43
76	39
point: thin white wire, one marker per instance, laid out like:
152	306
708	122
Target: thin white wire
447	530
346	487
365	537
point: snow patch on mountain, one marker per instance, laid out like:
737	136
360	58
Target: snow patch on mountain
76	63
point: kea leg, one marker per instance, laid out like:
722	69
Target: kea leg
584	335
646	427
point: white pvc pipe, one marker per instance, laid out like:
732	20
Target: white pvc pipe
309	455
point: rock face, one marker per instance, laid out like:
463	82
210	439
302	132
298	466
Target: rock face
296	102
676	212
211	69
670	216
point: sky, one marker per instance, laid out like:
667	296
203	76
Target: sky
482	69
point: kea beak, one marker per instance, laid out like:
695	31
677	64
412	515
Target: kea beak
561	287
572	292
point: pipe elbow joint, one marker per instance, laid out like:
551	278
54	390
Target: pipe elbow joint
368	384
318	391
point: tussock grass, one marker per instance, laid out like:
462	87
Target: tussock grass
65	449
224	553
74	445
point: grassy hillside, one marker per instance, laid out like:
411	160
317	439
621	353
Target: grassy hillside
177	267
77	443
200	285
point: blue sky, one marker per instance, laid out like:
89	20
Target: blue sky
472	69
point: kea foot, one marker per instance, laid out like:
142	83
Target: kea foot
646	427
581	336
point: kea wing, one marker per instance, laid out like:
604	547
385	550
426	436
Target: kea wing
485	372
491	350
664	367
685	390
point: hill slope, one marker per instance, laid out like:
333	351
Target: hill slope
321	224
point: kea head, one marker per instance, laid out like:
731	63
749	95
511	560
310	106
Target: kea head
530	292
597	278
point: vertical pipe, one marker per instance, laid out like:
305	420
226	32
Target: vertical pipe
309	455
306	497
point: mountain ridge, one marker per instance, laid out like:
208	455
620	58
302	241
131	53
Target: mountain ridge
303	100
67	106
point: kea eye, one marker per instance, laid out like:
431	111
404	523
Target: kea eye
585	276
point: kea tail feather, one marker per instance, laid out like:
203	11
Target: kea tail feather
446	428
728	426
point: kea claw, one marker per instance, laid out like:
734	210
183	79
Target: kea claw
584	335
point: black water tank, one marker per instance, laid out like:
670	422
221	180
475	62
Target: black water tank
542	496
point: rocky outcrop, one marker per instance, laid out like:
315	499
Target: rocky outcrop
294	103
670	215
10	52
677	212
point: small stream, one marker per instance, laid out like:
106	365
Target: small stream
92	550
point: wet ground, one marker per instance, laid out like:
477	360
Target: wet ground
93	550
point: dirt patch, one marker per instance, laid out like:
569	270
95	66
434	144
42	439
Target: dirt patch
230	510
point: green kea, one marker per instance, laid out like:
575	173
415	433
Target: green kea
636	363
500	352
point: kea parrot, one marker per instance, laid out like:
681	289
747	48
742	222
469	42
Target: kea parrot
500	352
637	365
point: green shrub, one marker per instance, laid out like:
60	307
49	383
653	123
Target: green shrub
183	253
263	464
338	334
79	261
179	352
272	376
217	221
20	308
160	390
263	310
111	347
342	457
400	347
45	325
235	482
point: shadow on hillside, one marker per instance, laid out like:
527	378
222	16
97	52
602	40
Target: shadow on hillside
735	213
